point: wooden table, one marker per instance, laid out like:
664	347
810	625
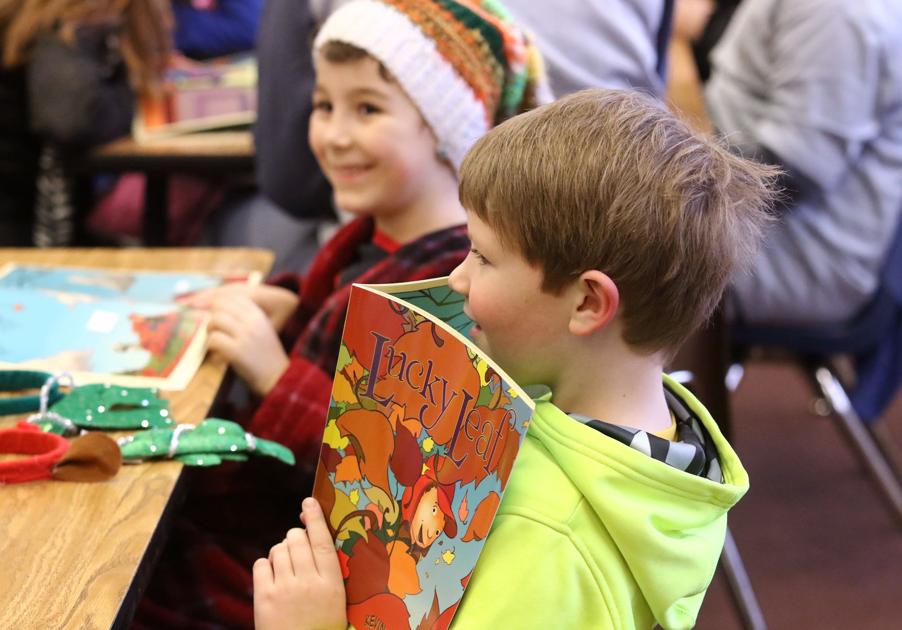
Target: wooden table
211	154
78	555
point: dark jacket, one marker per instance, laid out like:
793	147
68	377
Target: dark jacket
287	172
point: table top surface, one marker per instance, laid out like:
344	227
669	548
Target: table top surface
213	151
204	143
71	551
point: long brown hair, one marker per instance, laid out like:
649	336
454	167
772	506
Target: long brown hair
146	31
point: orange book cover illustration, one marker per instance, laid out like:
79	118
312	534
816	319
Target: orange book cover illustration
421	436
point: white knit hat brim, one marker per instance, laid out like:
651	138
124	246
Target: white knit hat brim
447	103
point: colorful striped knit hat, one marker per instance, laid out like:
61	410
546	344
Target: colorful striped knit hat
464	63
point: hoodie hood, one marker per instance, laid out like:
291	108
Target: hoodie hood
668	526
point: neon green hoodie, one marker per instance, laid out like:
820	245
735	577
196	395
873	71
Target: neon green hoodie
592	533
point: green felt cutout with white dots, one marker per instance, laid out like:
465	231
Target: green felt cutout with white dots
115	408
207	444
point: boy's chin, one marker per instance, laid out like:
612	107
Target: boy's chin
476	335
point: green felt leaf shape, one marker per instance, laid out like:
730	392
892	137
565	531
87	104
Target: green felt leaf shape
207	444
110	407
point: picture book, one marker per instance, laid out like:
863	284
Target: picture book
104	325
422	433
200	96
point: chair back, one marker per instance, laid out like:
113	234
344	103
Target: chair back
892	266
861	334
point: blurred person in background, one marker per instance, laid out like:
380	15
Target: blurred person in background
600	43
212	28
68	74
815	86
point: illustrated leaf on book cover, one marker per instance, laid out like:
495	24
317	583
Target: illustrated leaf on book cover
371	435
406	458
402	578
383	502
347	469
429	620
345	518
386	607
343	389
463	511
482	518
333	437
368	569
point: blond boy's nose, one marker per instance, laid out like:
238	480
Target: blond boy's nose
457	280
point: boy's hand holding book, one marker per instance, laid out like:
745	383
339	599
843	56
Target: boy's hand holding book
300	585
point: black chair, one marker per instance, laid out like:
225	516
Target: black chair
820	350
702	365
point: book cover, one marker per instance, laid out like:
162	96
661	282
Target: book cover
420	439
203	96
104	325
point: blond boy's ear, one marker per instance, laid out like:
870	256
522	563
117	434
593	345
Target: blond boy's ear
595	302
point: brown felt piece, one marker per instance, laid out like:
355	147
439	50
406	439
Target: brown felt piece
91	457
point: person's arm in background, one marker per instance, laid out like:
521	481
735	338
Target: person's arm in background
287	172
213	28
819	107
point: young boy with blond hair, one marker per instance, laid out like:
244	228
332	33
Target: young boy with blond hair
403	89
603	234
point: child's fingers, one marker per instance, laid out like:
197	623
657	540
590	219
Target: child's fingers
299	549
197	299
241	307
281	561
321	543
263	575
225	320
222	343
203	298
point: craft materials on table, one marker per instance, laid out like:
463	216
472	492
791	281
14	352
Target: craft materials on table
94	456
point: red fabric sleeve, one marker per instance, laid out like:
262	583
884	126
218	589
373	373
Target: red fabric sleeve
294	412
287	280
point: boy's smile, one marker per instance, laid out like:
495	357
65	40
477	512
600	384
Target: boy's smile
518	324
370	140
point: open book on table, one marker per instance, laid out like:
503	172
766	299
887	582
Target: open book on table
211	95
421	436
104	325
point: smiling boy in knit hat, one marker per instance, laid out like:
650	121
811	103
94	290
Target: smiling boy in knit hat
403	89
